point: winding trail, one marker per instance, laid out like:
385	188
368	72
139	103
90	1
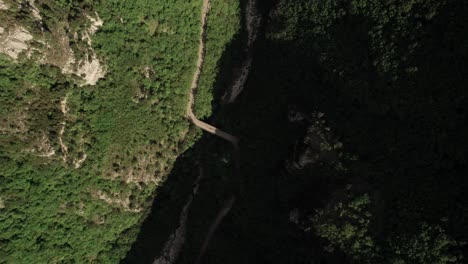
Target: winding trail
175	242
196	76
209	128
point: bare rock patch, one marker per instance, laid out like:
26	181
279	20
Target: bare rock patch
14	41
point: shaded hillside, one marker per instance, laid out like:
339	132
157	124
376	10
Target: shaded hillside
352	130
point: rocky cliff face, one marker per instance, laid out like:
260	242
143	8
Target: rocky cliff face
26	34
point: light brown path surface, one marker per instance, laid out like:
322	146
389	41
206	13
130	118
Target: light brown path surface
209	128
196	76
174	245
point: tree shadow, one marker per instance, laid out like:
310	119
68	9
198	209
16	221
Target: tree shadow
163	218
410	139
408	135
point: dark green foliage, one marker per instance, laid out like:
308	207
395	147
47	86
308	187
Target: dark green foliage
223	24
346	225
430	244
390	28
390	77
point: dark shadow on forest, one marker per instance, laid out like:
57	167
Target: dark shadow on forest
410	139
163	218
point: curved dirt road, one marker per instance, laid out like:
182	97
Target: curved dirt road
174	245
209	128
196	76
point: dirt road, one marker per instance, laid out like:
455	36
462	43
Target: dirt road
209	128
196	76
174	245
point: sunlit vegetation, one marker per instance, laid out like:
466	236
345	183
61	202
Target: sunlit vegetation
222	25
80	165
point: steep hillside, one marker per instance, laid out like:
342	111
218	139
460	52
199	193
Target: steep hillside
92	111
352	132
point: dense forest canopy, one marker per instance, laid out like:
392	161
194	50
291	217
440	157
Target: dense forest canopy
352	128
92	117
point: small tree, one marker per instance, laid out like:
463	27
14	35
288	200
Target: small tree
431	245
345	225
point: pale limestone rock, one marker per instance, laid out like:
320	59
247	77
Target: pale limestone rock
3	6
15	41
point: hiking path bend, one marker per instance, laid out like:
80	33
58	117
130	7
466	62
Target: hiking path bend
173	246
196	76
